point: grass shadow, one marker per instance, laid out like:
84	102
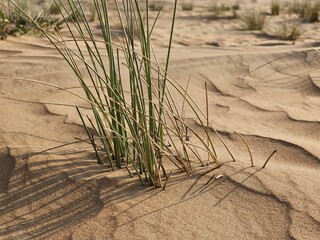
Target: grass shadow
196	189
50	192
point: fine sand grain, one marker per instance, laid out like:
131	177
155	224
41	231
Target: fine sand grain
264	88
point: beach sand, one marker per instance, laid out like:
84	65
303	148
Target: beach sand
260	86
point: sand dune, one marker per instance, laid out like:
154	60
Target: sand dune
265	89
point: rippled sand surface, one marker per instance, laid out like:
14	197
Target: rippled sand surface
266	89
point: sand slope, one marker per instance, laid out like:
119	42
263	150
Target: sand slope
271	95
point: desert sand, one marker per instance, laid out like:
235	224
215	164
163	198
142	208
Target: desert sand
264	88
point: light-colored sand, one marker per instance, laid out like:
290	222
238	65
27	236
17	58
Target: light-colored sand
266	89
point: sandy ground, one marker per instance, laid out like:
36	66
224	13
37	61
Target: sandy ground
262	87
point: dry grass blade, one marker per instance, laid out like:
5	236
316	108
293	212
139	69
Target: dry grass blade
264	165
248	148
207	112
165	183
209	171
212	177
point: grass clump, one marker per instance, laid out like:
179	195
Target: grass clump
222	8
235	8
252	20
295	8
218	9
54	8
187	6
3	26
275	8
135	121
308	11
13	22
155	6
290	32
214	8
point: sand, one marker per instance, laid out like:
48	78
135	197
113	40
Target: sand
264	88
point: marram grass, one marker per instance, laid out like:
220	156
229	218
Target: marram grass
135	122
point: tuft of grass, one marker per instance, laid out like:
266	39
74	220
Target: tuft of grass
155	6
307	10
224	8
130	126
134	114
252	20
3	26
295	8
310	12
218	9
290	32
235	8
187	5
54	8
13	22
215	9
275	7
